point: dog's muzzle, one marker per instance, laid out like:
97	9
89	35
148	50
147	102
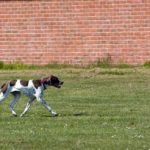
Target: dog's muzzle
60	84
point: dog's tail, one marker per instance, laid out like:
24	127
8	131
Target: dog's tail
3	88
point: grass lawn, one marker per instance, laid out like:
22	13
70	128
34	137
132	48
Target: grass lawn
100	109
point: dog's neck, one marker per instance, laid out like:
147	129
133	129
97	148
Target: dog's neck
44	84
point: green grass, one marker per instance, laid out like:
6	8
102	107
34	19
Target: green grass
147	64
115	73
106	63
98	111
21	66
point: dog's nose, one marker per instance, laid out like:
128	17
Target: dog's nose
62	83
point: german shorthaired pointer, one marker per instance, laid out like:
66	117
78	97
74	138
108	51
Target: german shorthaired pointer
33	89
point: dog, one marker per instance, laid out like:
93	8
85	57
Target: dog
33	89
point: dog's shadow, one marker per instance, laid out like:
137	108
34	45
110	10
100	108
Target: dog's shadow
60	115
78	114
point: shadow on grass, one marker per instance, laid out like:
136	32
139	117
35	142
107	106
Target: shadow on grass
78	114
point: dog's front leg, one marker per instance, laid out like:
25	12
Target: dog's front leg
42	101
39	96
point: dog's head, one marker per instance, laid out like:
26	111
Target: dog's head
53	81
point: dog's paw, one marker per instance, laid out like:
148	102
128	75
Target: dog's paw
21	115
14	114
54	114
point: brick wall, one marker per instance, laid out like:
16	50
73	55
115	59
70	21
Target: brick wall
75	31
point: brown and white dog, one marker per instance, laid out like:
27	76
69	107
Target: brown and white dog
33	89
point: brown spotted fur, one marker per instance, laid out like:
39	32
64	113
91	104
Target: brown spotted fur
24	82
37	83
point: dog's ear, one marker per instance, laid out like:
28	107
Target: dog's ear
47	80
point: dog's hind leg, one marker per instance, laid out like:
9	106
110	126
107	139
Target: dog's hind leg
2	97
4	91
27	106
16	95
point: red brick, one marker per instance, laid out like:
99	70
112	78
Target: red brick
75	32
